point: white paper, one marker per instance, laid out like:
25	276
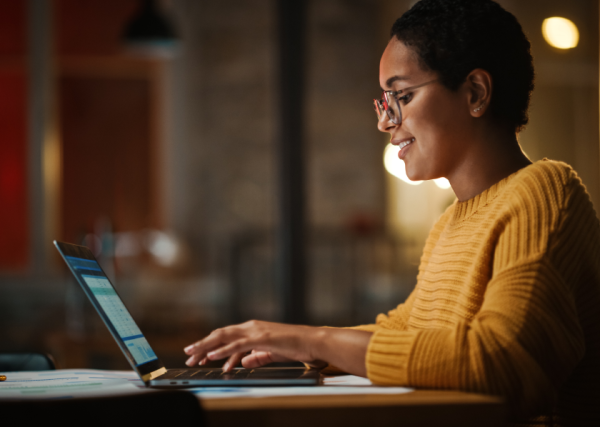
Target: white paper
345	384
70	383
347	380
223	393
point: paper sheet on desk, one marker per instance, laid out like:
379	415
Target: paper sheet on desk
346	384
69	383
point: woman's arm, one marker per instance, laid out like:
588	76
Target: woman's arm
344	349
273	342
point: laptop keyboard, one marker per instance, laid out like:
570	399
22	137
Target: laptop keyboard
217	373
205	374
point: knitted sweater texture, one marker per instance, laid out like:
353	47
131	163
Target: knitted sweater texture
507	302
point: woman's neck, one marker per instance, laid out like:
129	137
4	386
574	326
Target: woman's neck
489	160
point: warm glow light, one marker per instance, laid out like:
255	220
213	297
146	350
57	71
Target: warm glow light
443	183
560	32
394	165
163	246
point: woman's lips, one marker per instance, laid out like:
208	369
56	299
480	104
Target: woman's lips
404	146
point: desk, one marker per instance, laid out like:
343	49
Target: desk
59	390
419	408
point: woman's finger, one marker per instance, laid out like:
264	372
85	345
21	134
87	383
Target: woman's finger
192	360
232	362
238	346
216	339
257	359
281	341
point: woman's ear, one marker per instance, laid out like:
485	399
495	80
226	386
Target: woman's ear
479	88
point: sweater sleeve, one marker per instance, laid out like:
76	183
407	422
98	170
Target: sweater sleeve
528	313
525	340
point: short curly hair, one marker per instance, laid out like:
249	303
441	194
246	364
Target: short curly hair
454	37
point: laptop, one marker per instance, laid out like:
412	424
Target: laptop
137	350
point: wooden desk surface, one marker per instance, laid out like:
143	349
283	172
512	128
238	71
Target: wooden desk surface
419	408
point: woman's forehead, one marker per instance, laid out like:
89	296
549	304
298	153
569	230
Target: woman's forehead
399	63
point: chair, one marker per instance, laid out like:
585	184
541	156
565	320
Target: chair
13	362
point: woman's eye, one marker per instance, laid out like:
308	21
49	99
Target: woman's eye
406	98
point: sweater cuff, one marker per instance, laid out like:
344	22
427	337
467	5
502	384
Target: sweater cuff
368	328
387	356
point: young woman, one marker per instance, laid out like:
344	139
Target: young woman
507	300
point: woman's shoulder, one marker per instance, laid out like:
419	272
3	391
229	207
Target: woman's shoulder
546	171
549	168
546	183
544	195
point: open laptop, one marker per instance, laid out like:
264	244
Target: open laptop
137	350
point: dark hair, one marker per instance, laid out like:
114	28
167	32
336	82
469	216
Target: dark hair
454	37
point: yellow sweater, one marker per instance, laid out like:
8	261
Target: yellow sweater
507	302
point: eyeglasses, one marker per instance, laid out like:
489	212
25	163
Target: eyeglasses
390	103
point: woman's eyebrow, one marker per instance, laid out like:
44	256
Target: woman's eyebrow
388	82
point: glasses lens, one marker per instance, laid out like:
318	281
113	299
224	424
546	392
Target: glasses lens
379	108
393	110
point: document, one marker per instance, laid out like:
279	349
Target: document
69	383
345	384
73	383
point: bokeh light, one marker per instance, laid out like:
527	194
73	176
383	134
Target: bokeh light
443	183
560	32
395	166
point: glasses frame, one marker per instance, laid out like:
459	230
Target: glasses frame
389	98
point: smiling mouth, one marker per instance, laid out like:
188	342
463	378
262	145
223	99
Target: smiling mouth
405	143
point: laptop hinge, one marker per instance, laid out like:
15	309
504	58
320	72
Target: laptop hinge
153	374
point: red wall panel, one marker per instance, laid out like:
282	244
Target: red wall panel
13	36
14	206
14	218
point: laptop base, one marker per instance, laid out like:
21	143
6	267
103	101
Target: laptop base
238	377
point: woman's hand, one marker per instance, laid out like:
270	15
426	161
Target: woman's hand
275	342
269	342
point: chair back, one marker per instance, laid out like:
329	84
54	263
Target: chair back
14	362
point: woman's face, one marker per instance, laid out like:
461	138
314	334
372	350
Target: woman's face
434	118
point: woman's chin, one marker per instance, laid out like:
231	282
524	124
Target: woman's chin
415	176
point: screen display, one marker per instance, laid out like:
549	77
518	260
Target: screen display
116	313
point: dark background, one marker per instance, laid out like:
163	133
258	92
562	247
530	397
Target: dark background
168	167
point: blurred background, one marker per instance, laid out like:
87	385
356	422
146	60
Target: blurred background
153	132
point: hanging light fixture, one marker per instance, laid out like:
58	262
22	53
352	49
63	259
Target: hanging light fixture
150	34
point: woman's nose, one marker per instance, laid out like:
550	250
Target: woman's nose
385	124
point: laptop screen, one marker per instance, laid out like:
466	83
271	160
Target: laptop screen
88	272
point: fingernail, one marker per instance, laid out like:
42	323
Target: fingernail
189	361
188	348
202	362
226	366
212	355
